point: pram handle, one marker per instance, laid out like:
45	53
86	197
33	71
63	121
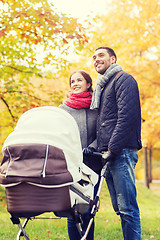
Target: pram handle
97	154
103	155
105	163
95	160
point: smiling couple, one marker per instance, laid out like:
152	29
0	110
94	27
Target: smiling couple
109	119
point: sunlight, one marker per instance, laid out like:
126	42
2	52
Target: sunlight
81	9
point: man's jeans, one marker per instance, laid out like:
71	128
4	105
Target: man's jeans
121	184
73	231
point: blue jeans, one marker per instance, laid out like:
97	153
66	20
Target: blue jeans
73	231
121	184
72	228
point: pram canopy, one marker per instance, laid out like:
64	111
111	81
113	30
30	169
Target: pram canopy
43	126
43	156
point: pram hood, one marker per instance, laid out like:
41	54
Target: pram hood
50	126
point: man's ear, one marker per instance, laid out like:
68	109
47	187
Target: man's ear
113	59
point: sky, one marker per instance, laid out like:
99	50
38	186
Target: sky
81	8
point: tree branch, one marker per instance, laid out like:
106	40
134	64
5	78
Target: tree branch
20	70
22	92
9	110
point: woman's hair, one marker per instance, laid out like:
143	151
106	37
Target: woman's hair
86	76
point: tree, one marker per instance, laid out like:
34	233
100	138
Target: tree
32	36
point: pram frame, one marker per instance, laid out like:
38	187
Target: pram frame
94	209
96	204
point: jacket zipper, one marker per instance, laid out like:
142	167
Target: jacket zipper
45	162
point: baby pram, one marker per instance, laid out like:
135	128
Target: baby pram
43	171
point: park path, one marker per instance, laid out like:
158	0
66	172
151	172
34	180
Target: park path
155	187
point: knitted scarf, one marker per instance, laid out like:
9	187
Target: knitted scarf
78	100
101	82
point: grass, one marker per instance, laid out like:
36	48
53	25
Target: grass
107	223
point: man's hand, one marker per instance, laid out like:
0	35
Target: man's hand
107	156
88	151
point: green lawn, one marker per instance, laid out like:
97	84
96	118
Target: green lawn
107	223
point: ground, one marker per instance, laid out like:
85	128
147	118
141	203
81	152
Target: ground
155	187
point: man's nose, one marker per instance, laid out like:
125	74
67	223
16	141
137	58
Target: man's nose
96	59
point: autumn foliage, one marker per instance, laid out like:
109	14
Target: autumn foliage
35	43
33	36
132	29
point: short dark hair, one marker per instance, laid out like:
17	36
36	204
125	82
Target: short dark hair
86	76
109	50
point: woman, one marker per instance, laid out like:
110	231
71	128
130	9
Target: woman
77	104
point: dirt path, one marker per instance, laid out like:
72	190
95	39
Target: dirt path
155	187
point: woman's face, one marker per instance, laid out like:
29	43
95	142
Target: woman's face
78	83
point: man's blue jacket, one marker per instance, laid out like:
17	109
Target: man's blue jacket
119	119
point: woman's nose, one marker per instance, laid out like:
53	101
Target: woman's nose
75	83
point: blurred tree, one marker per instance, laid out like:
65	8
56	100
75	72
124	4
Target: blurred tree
33	36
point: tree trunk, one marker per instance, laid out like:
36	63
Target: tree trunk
150	164
146	167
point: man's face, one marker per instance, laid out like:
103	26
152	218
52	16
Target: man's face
102	60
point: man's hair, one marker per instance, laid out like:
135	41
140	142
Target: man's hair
109	50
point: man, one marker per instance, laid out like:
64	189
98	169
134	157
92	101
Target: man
116	96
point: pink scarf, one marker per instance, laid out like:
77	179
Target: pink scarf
79	100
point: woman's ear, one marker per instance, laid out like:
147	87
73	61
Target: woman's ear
88	85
